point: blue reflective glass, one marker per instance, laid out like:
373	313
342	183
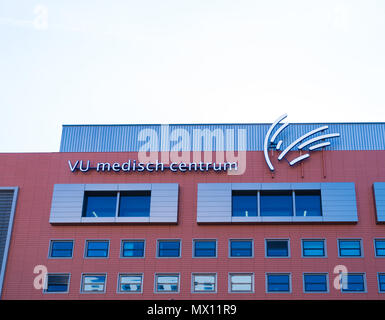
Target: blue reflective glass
313	248
241	248
308	203
205	248
315	283
135	204
61	249
133	249
380	248
278	283
99	204
381	282
169	249
244	204
355	282
97	249
350	248
277	248
276	203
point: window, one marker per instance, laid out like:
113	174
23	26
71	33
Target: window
134	204
204	282
381	282
277	248
169	248
61	249
355	282
241	282
379	247
313	248
205	248
244	203
349	248
57	283
167	283
278	282
276	203
132	249
93	283
241	248
99	204
96	249
130	283
315	282
308	203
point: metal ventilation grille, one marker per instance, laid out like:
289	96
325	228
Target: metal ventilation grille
6	201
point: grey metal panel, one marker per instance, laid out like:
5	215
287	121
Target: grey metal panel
379	197
8	198
101	187
134	186
339	202
245	186
67	203
214	202
306	186
276	186
118	138
164	202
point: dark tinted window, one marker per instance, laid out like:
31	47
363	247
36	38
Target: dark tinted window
241	248
244	204
278	283
204	248
97	249
355	283
381	282
57	283
350	248
277	248
135	204
99	204
380	248
61	249
315	282
133	248
308	203
276	203
169	249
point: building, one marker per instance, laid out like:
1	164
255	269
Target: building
143	212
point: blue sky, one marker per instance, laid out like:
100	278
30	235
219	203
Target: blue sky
185	61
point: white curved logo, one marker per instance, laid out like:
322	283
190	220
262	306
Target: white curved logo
270	143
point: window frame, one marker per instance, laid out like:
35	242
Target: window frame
241	240
60	240
96	240
316	274
132	240
193	274
229	284
351	240
88	274
157	274
200	239
314	240
45	289
276	240
167	240
354	291
118	291
278	274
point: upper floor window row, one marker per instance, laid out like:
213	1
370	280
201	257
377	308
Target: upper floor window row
116	204
276	203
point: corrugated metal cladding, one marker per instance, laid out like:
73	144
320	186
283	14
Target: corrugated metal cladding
250	137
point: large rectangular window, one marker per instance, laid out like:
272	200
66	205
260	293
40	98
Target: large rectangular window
244	203
241	282
167	283
130	283
134	204
205	248
276	203
96	249
278	282
349	248
355	282
313	248
132	249
308	203
169	248
57	283
102	204
314	282
204	282
61	249
93	283
379	247
241	248
277	248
